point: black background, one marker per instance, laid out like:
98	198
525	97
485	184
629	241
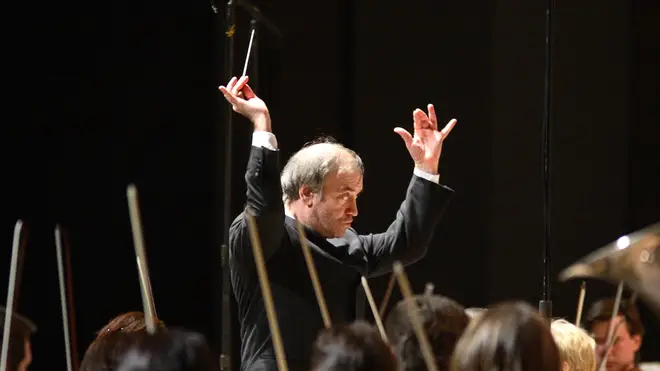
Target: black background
103	94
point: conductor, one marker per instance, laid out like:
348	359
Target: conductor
319	185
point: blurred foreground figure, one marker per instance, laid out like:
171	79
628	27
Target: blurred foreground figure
111	341
172	350
444	321
624	355
128	322
20	348
354	347
508	337
577	349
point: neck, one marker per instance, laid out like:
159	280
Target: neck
296	210
288	210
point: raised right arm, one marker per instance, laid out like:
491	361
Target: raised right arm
262	177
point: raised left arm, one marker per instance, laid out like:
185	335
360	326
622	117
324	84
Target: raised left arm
408	237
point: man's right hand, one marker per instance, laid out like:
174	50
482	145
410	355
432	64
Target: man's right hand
243	100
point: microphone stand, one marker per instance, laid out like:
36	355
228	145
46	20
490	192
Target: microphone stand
545	305
222	333
225	299
254	56
225	355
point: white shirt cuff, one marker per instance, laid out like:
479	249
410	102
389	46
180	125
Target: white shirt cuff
264	139
430	177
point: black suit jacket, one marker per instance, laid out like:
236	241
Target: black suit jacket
340	263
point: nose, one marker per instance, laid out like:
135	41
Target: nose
352	208
601	349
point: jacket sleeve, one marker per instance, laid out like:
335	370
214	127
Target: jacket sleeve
264	201
408	238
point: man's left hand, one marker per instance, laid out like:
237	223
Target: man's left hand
425	145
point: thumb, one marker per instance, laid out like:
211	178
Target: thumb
405	135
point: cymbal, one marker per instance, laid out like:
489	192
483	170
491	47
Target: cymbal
633	259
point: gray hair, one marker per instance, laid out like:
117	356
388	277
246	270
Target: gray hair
311	164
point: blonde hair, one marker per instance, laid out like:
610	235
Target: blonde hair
577	349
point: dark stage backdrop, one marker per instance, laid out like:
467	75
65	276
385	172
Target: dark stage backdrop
129	95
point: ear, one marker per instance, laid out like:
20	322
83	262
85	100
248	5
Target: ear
565	366
306	195
637	342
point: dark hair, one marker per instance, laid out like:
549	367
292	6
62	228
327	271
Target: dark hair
602	309
508	337
354	347
444	321
113	339
128	322
174	350
106	351
21	330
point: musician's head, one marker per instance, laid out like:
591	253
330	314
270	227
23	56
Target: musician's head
19	354
105	351
128	322
577	350
443	320
355	347
509	336
173	350
627	337
320	185
113	339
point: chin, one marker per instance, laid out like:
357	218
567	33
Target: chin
340	232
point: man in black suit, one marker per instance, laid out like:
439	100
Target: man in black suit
319	186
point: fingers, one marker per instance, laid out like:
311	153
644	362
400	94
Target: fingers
234	89
405	135
248	93
448	127
231	84
432	116
420	120
239	85
231	98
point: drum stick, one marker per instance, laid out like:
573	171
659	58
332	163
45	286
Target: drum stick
374	310
141	257
386	297
10	295
610	332
580	307
314	276
266	292
63	301
413	312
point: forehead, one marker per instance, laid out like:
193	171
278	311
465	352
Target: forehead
601	328
344	181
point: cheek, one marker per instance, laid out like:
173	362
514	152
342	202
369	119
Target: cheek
326	210
331	207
